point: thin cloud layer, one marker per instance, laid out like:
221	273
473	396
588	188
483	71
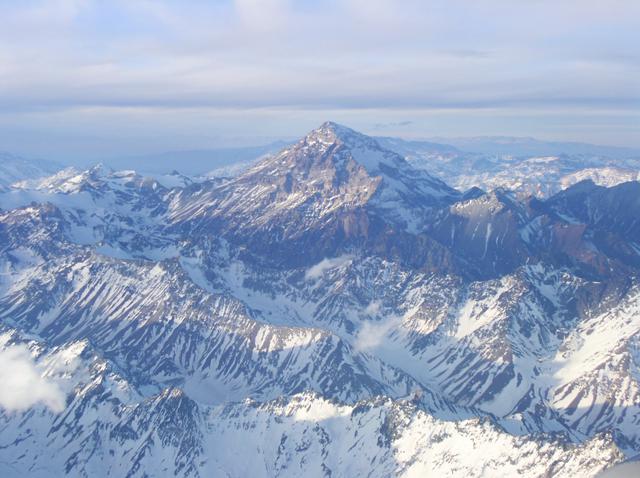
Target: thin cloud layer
62	60
269	53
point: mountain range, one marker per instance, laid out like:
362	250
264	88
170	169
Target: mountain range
334	309
526	166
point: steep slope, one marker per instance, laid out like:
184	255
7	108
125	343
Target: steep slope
596	372
107	429
489	344
609	217
604	209
333	190
152	321
485	231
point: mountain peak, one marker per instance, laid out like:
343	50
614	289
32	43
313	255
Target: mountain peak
339	154
330	173
336	157
335	128
329	133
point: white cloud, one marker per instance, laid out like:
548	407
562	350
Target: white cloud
315	272
373	308
23	384
372	334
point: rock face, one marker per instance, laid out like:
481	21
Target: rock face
333	191
330	311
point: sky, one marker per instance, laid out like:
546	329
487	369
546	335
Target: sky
97	78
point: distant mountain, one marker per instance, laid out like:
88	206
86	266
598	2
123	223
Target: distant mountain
538	175
407	147
517	146
14	168
194	162
330	311
604	176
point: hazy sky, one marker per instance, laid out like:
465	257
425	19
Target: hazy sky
102	77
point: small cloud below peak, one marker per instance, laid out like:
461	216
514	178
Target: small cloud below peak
23	383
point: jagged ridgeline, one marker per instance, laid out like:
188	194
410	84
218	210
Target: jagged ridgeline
329	311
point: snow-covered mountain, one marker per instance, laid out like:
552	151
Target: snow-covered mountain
606	176
541	170
331	311
14	168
